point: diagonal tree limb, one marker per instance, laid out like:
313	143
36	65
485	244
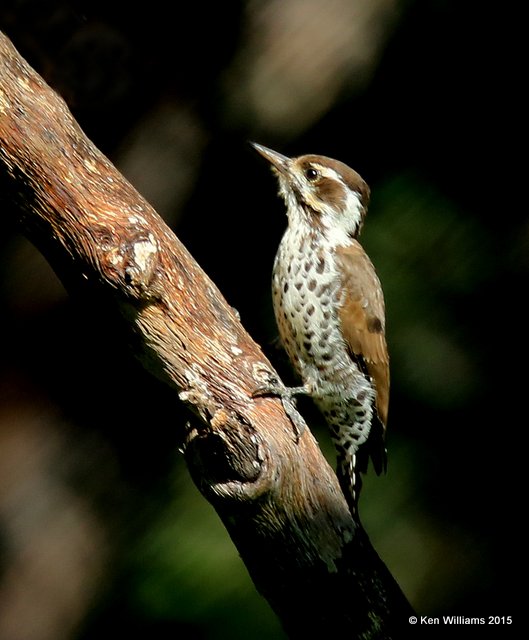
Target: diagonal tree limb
278	498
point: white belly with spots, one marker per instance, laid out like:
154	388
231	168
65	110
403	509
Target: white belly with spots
307	297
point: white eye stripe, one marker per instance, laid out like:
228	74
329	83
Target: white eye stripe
327	172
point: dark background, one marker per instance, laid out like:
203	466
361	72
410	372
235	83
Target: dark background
101	529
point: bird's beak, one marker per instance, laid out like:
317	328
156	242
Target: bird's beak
276	159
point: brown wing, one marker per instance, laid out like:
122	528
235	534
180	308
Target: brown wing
362	317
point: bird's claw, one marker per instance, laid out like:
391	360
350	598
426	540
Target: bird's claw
274	387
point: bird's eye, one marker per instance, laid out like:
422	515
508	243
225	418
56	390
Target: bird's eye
311	174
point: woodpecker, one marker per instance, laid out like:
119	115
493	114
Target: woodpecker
329	309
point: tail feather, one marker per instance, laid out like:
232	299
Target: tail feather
350	479
353	461
377	448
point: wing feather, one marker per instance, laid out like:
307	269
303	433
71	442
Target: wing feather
362	318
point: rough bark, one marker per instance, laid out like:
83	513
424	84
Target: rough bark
277	496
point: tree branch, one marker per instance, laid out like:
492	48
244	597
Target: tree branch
278	498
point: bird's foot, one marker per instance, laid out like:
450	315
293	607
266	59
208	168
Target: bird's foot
274	387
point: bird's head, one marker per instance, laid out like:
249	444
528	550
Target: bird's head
321	192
